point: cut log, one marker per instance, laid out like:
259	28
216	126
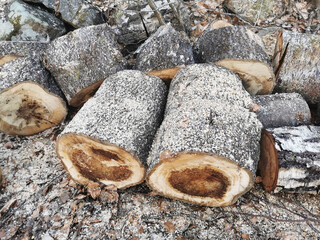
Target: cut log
242	51
285	109
165	49
109	138
207	148
298	150
27	108
300	70
80	60
23	110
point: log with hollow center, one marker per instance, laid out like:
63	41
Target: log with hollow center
88	159
27	108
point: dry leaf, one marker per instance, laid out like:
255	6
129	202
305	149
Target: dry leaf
94	189
169	226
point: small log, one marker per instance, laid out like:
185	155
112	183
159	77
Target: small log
300	70
298	150
239	49
165	49
109	138
27	108
285	109
80	60
207	148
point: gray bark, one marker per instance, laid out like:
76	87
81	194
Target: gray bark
286	109
126	111
300	71
256	11
134	22
299	157
21	48
236	42
82	58
22	22
166	48
206	81
27	69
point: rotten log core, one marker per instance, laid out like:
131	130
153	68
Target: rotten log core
27	108
200	178
88	159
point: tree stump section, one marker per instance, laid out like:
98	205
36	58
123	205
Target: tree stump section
80	60
285	109
28	107
207	148
164	52
239	49
298	151
109	138
300	70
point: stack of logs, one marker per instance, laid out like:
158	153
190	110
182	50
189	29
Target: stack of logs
202	141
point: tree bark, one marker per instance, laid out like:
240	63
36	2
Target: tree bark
80	60
242	51
300	70
206	150
286	109
298	150
109	138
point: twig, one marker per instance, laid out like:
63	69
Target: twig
156	12
176	12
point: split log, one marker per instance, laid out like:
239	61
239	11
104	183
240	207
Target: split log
165	49
298	150
28	107
109	138
300	70
80	60
242	51
285	109
207	148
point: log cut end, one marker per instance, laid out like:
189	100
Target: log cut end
87	159
268	165
84	94
8	58
27	108
200	178
257	77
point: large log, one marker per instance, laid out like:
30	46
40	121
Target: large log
80	60
109	138
242	51
207	148
300	70
29	97
165	49
298	150
285	109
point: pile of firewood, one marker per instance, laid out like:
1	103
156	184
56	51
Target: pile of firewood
202	137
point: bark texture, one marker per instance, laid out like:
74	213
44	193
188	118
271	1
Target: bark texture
125	113
82	58
300	71
166	48
240	50
299	157
285	109
202	131
256	11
